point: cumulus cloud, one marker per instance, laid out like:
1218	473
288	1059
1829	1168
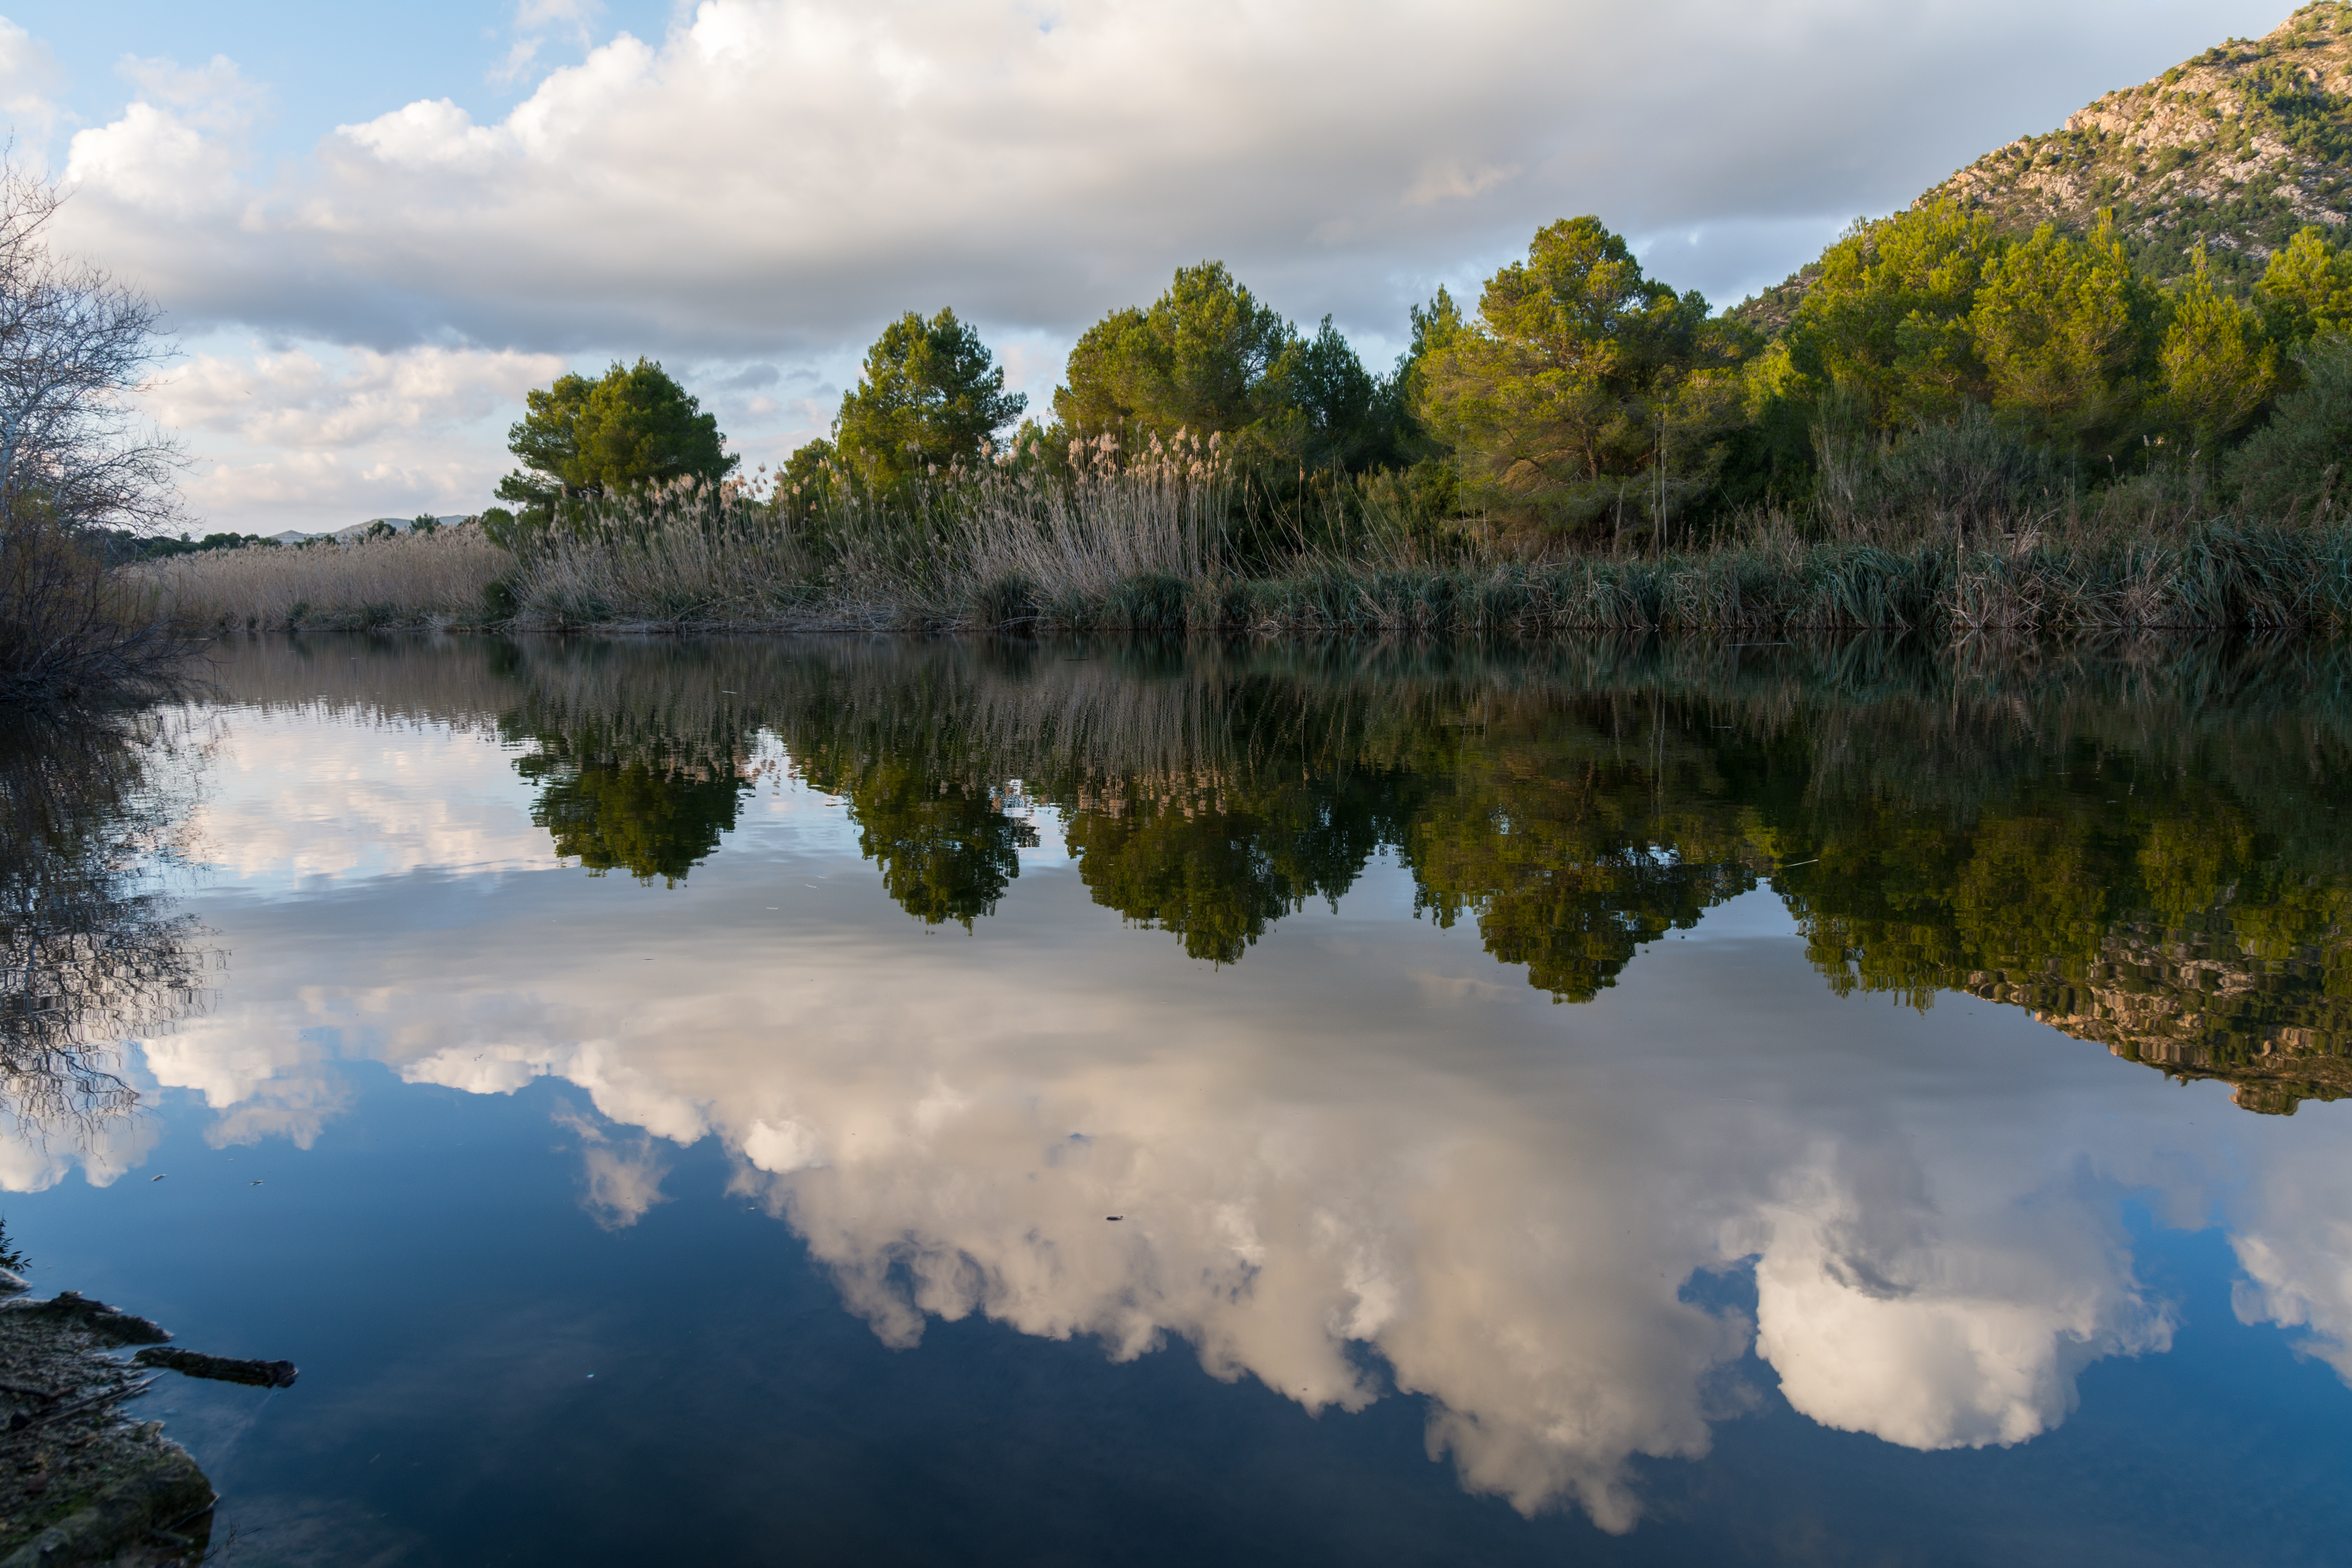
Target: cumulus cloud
623	1176
1939	1321
313	437
781	174
33	1159
2295	1245
278	812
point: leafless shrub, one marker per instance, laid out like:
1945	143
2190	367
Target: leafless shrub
68	629
74	346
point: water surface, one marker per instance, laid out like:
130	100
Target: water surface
769	1100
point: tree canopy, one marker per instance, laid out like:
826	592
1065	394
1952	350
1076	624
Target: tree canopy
1208	356
633	427
1579	375
1913	319
932	395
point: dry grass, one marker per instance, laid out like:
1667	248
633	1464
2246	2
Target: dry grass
1027	548
1149	541
412	579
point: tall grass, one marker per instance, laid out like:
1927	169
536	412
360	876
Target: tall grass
686	555
441	578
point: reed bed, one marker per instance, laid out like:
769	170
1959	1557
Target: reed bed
437	579
688	555
1150	545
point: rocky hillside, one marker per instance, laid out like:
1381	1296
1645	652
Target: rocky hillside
2235	150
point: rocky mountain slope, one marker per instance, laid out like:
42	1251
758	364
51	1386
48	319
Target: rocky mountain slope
2236	149
2233	150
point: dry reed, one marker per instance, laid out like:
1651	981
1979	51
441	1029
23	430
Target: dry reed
1147	542
438	578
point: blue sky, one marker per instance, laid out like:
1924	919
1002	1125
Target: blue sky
324	65
376	227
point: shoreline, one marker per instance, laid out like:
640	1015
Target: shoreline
80	1482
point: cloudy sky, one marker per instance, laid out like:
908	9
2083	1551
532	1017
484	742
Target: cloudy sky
375	227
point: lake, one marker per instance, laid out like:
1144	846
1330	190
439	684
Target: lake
831	1099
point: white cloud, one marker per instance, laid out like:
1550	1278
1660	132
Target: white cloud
1940	1321
29	82
623	1176
278	812
310	436
779	176
2296	1245
215	96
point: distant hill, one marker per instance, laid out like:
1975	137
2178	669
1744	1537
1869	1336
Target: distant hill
397	524
2235	150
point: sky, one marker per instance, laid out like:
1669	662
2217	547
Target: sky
373	228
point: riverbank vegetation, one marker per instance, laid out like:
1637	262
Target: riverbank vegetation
1948	420
1956	430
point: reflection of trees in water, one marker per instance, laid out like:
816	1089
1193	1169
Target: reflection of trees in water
2150	847
89	952
647	789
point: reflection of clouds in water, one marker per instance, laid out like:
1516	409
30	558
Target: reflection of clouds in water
618	1090
2297	1253
105	1150
1943	1322
624	1175
1506	1222
272	1083
379	801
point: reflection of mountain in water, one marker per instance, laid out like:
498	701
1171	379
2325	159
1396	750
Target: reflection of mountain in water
88	950
2197	1007
2150	855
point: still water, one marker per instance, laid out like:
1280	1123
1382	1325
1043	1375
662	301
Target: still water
842	1102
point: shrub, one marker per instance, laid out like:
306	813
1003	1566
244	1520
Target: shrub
1147	601
2295	460
1006	599
68	628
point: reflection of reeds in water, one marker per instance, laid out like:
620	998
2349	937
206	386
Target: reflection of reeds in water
1908	803
1946	724
89	952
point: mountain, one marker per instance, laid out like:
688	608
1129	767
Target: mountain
2235	150
397	524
